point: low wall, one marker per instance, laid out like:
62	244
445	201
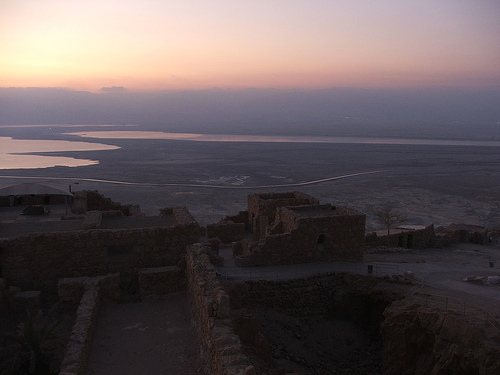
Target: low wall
87	292
461	233
408	239
72	289
210	306
79	343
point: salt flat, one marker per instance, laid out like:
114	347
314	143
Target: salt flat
432	184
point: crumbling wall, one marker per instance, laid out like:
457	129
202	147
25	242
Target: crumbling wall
211	309
408	239
343	295
79	343
420	340
309	233
226	231
180	214
461	233
37	260
264	206
87	200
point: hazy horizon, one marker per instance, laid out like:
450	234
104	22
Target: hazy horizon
451	113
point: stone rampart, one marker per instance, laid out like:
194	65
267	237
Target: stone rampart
210	305
37	260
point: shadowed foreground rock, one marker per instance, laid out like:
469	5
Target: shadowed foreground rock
420	340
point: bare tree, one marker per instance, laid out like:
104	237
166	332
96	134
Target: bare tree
388	215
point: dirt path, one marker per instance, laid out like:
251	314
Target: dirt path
150	337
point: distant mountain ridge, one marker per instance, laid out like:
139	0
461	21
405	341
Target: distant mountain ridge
456	113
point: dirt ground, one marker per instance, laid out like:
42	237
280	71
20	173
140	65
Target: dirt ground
148	337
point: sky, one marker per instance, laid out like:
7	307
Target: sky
151	45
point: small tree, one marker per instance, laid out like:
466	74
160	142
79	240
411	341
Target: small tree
388	215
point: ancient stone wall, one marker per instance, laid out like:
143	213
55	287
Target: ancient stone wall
355	297
230	228
430	341
226	231
160	281
87	200
71	289
181	215
37	260
309	233
211	309
87	292
79	343
264	206
408	239
460	233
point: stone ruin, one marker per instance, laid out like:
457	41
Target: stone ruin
288	228
93	257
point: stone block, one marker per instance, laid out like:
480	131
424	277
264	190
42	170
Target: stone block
92	220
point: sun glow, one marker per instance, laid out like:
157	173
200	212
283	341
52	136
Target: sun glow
166	45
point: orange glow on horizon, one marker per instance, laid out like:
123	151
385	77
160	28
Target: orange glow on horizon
164	45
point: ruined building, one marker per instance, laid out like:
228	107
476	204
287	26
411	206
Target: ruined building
288	228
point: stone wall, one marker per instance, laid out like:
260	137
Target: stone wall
79	343
87	200
461	233
417	339
160	281
226	231
430	341
87	292
180	214
408	239
262	208
37	260
307	234
230	228
71	289
210	305
355	297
